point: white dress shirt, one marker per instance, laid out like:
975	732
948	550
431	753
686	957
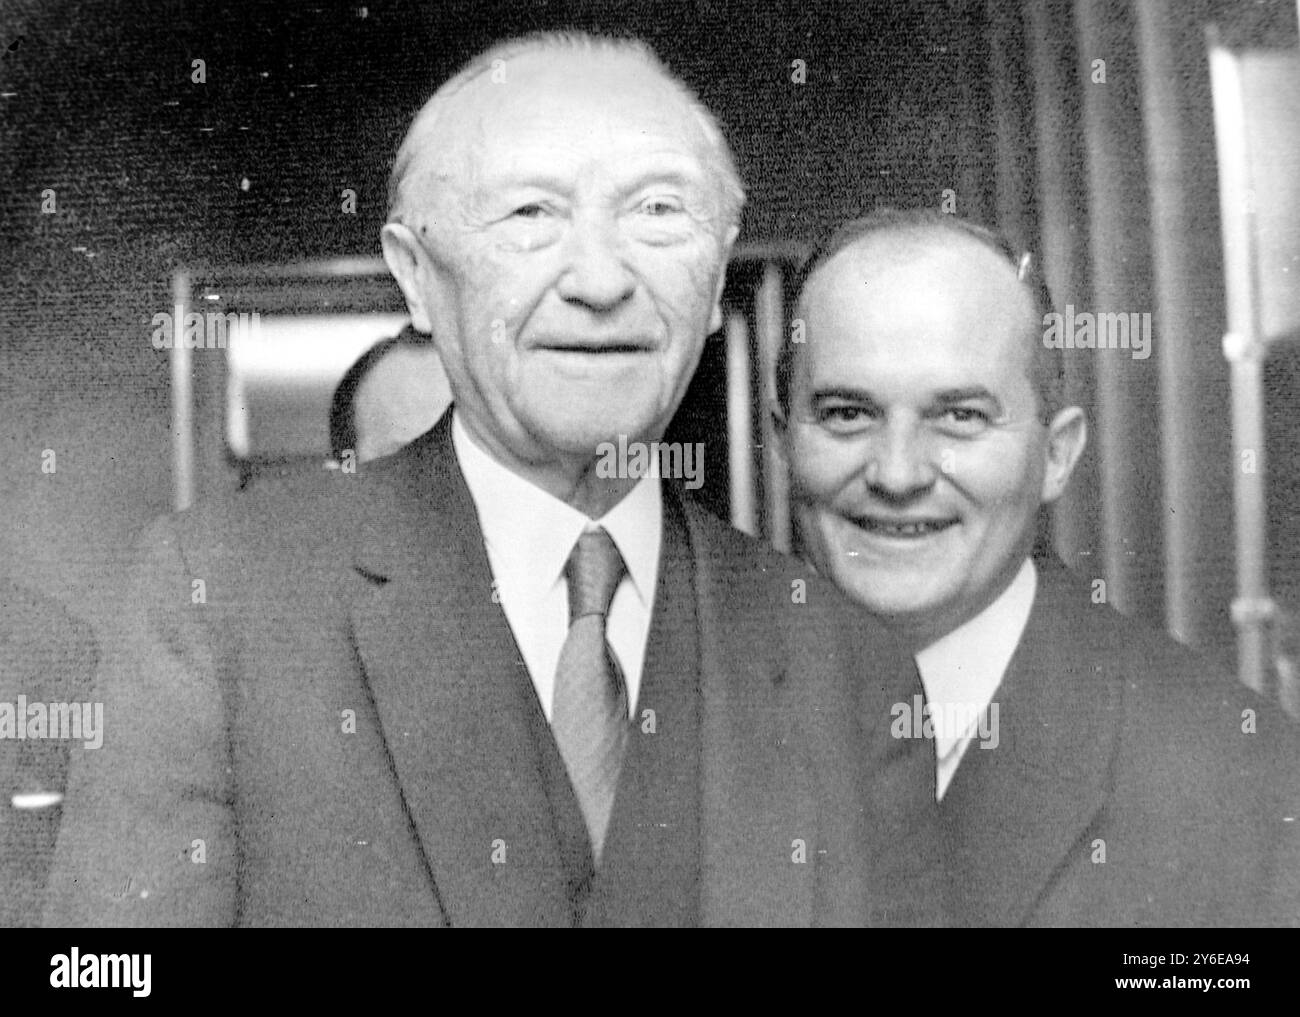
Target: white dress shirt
961	671
529	535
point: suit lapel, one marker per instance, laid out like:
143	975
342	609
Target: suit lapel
1014	813
452	694
446	679
757	791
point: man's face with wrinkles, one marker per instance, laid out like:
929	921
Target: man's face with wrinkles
573	253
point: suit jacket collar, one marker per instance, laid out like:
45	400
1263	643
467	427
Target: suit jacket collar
432	644
1014	812
436	652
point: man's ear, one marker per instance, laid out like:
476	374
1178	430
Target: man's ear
715	320
406	259
1067	435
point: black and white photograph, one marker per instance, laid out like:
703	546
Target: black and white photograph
651	464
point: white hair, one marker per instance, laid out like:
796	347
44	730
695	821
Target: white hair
427	123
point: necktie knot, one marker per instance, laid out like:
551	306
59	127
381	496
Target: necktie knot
593	571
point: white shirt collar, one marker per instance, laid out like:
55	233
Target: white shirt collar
962	670
532	532
529	534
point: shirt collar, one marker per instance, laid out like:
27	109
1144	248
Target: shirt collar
966	666
530	533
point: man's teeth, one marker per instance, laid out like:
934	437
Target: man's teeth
904	529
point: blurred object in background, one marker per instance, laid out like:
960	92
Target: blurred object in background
282	378
1286	658
392	394
1257	130
258	395
49	662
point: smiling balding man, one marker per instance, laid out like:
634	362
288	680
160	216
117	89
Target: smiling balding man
479	682
1090	772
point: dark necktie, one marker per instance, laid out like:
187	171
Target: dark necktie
589	712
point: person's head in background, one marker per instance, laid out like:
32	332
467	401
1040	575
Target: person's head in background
390	396
925	423
561	215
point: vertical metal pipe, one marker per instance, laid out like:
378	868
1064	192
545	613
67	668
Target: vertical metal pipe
769	314
1253	609
1244	348
740	424
182	398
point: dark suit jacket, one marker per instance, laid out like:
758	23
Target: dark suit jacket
1115	739
325	739
48	657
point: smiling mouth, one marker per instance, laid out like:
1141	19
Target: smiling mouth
598	350
902	528
596	345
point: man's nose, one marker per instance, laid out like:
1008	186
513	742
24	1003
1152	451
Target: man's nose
900	462
596	272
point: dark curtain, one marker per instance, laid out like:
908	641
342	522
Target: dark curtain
1104	135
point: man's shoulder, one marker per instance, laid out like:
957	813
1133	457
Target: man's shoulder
1072	612
292	514
1179	705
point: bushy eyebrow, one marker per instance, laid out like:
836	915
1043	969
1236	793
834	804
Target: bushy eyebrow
847	393
952	396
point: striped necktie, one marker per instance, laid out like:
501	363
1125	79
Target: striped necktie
589	711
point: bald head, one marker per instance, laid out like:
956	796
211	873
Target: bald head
893	238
